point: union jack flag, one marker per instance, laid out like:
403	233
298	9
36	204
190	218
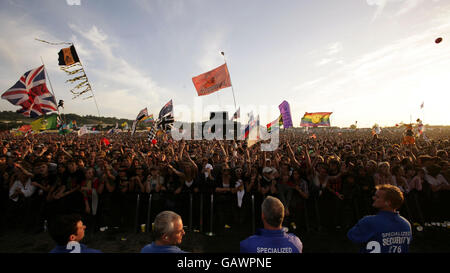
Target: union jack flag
31	93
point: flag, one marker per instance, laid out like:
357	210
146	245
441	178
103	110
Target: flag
275	125
25	128
237	114
31	93
212	81
70	63
68	56
148	118
142	114
44	123
83	130
250	124
421	106
152	133
65	129
316	119
166	119
104	141
133	127
285	111
166	110
253	136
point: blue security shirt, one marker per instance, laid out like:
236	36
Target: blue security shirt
153	248
81	249
386	232
271	241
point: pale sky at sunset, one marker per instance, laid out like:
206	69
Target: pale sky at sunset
371	61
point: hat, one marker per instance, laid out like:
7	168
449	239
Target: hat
267	170
208	166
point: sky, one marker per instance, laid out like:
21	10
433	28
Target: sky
367	61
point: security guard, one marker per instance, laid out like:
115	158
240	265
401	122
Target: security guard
273	238
168	232
386	232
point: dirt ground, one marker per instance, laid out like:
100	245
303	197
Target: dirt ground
431	240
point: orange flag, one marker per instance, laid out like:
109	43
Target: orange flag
212	81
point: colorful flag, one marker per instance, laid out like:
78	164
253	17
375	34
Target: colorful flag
44	123
275	125
148	118
65	129
166	119
285	111
31	93
25	128
212	81
316	119
68	56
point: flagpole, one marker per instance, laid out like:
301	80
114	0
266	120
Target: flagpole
90	88
232	89
51	87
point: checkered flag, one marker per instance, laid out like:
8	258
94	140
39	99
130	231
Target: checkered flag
152	133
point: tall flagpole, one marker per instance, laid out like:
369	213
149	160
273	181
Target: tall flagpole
90	88
232	89
51	87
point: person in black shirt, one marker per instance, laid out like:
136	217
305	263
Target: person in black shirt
73	198
43	181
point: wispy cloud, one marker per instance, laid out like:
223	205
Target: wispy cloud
392	75
332	54
124	88
380	4
212	46
403	6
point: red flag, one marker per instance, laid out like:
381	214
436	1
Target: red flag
212	81
25	128
105	141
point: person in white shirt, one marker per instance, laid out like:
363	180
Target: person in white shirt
22	186
19	196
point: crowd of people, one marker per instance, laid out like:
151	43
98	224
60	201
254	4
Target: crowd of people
325	180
